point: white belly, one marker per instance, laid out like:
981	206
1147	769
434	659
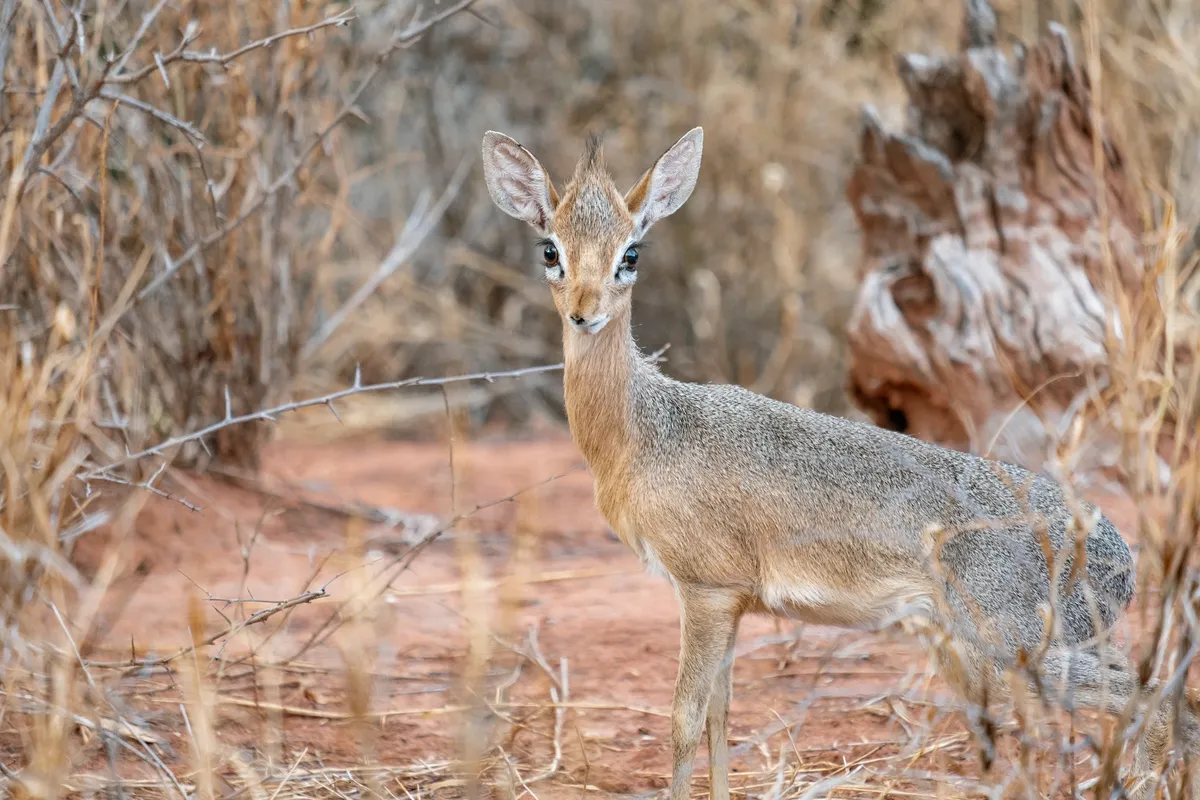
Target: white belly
872	606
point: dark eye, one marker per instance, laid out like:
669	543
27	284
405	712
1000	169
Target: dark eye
550	254
629	261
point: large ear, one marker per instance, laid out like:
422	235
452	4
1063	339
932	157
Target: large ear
517	182
668	184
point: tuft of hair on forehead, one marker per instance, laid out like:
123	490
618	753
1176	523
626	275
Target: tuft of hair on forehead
592	160
591	201
593	153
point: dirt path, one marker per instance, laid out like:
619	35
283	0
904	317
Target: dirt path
805	705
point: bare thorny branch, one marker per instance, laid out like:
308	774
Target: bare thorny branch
150	487
327	400
231	629
161	62
104	472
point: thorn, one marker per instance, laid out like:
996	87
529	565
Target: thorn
228	404
162	69
155	476
204	445
334	411
358	376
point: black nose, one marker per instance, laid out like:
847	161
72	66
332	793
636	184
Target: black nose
578	320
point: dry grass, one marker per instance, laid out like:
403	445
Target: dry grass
157	158
196	225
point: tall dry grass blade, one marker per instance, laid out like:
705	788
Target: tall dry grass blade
199	710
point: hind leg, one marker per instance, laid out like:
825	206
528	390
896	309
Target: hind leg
718	723
1154	750
1079	679
963	659
1082	680
1072	680
972	672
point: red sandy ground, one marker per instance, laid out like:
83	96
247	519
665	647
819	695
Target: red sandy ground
610	627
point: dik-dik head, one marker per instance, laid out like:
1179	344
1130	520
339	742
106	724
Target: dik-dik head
589	233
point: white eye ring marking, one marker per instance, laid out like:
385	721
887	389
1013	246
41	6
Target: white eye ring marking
552	260
626	271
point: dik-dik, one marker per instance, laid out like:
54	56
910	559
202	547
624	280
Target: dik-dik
749	505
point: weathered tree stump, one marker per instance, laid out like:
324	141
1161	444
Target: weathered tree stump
981	317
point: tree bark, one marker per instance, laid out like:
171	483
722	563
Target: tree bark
982	318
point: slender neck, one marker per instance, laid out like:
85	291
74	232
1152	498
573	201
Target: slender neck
599	372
